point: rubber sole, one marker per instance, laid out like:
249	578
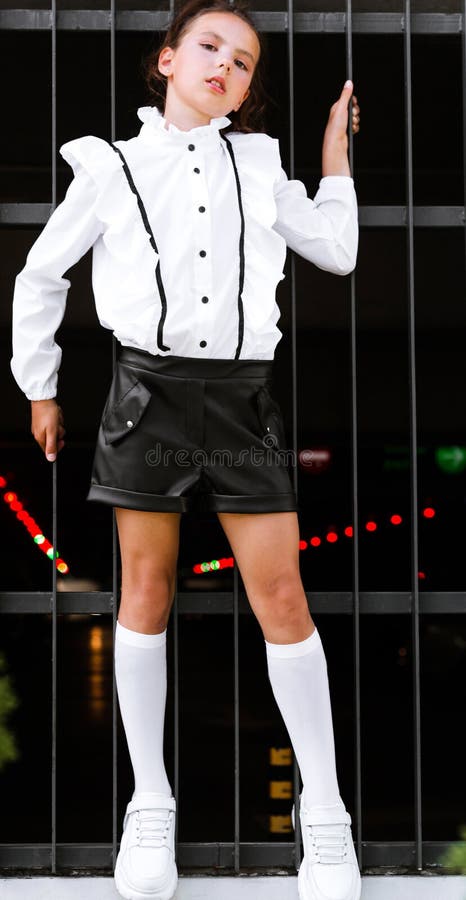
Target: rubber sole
304	891
129	893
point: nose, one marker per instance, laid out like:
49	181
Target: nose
226	63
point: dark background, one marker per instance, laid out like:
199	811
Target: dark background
324	421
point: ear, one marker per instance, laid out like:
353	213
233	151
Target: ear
165	60
245	97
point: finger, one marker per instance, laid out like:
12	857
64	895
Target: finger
39	437
51	445
346	92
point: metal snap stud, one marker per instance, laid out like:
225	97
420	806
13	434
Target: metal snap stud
130	423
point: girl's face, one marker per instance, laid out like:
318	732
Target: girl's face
209	72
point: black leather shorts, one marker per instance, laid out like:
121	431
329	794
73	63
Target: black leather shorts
181	433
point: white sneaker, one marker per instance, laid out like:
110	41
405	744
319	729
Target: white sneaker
329	869
145	867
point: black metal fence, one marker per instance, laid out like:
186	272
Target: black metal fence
356	603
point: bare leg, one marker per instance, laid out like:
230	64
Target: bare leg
149	544
266	548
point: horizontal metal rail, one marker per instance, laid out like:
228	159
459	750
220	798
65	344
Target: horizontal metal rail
369	216
221	602
218	856
304	22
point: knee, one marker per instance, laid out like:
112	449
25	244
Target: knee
146	598
282	601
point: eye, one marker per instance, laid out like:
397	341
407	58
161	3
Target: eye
241	64
209	46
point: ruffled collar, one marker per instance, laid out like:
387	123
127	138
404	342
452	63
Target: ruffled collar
153	128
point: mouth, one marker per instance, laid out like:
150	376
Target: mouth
216	84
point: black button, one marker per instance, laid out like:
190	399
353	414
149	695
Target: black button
191	147
203	344
202	253
205	299
196	170
202	209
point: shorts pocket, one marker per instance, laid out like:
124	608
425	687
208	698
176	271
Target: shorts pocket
126	404
271	419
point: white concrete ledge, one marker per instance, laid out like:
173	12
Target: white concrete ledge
388	887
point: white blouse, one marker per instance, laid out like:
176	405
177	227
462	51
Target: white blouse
187	186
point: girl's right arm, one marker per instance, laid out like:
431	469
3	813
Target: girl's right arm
39	303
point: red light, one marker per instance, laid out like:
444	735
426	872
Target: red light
371	526
2	481
396	520
421	575
302	545
428	512
16	506
349	531
9	497
331	537
315	542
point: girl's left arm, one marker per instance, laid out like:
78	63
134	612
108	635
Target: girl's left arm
324	230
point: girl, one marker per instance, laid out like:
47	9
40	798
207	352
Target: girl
189	223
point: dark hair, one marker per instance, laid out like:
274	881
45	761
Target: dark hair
250	116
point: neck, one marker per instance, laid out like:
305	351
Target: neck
184	118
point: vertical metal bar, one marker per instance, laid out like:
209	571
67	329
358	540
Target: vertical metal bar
355	489
237	861
54	101
413	441
54	479
115	545
463	47
294	375
176	658
176	703
54	669
114	694
112	69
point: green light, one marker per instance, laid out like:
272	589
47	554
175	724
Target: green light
205	566
215	564
39	538
50	553
451	459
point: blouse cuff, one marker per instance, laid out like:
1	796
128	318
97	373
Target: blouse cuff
335	187
41	395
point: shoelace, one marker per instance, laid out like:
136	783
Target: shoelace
330	846
152	827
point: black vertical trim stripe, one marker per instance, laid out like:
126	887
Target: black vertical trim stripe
241	252
158	275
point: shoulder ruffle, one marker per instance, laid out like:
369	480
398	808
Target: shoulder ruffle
92	154
258	160
116	206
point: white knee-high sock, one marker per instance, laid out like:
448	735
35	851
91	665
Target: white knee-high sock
298	675
141	678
